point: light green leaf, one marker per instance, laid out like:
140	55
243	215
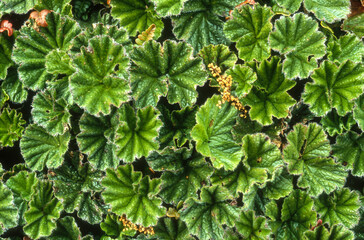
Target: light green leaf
171	229
13	87
168	7
96	85
339	207
177	126
77	184
354	24
43	211
306	155
22	185
220	55
349	150
6	47
336	232
19	6
59	62
41	149
200	24
291	5
8	212
96	143
66	229
204	218
327	10
347	47
269	95
251	227
32	47
190	172
136	134
136	16
3	97
335	124
212	134
129	194
295	217
359	111
51	112
172	66
250	27
334	87
300	41
243	77
11	128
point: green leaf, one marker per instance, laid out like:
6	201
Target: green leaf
251	227
347	47
334	87
22	184
13	87
77	184
103	28
96	85
359	111
130	194
167	8
43	211
136	16
212	134
172	66
59	62
335	124
66	229
359	229
19	6
60	6
220	56
137	131
171	229
6	46
177	125
204	218
339	207
11	128
243	76
306	155
51	112
250	27
269	95
336	232
199	23
295	217
349	150
41	149
327	10
112	226
291	5
94	140
3	97
187	171
300	41
8	212
354	24
32	47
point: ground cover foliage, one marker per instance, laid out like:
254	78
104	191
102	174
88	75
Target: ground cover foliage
181	119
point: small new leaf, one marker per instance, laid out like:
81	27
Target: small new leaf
11	128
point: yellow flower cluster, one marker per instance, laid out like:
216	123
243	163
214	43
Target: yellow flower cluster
131	226
225	83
